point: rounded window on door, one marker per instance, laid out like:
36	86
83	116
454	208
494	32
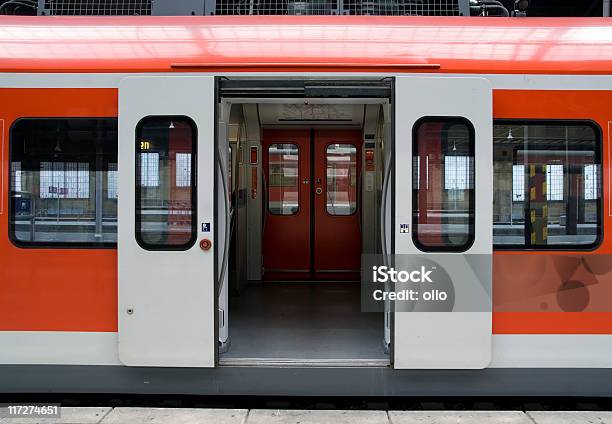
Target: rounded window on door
341	169
443	184
283	176
165	183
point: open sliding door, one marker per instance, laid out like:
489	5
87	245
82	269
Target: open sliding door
166	305
443	220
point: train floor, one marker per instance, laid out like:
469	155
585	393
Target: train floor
309	321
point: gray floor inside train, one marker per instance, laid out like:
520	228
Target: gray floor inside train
310	320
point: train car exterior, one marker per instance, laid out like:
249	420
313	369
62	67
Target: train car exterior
113	252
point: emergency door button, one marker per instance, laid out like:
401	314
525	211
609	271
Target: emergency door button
205	244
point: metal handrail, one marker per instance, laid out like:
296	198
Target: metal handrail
228	217
383	216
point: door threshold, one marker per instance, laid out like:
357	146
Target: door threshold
304	363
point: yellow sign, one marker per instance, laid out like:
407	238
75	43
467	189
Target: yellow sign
145	145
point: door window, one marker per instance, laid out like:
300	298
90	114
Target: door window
283	184
165	183
341	169
443	184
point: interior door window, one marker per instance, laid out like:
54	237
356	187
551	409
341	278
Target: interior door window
283	179
341	170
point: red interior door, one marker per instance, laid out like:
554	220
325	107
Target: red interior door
286	233
337	235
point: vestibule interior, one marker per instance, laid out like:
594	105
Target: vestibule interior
305	180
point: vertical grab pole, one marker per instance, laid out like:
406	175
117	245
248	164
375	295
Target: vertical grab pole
223	218
383	240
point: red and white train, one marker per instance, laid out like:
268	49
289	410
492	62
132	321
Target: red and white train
186	203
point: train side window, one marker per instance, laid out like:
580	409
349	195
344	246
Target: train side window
547	184
341	165
60	169
443	184
283	184
165	183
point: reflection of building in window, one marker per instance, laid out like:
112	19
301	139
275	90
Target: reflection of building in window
554	150
65	180
55	163
283	165
16	176
518	183
283	197
183	169
149	169
341	174
554	182
416	176
591	182
112	181
457	175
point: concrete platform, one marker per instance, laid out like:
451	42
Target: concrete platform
175	416
271	416
458	417
567	417
69	416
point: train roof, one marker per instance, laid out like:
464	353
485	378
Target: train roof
311	43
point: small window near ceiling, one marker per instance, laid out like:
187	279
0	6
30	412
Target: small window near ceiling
443	184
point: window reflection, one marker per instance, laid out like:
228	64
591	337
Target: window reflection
341	164
546	184
63	181
165	196
283	176
443	189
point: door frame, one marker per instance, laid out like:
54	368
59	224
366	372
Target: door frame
224	103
